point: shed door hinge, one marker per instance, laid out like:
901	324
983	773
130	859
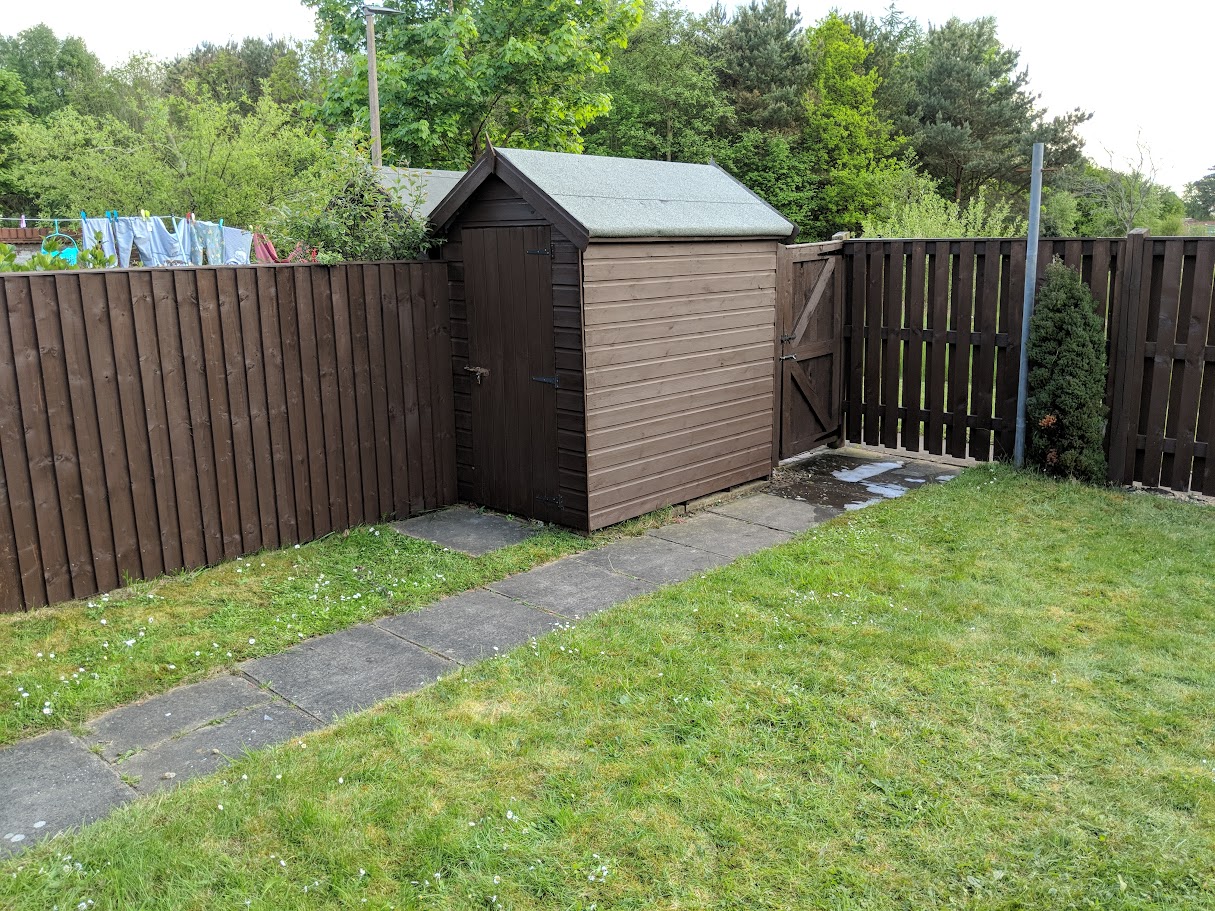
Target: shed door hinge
552	501
551	380
542	252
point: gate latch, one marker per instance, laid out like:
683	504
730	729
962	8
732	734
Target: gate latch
477	372
788	357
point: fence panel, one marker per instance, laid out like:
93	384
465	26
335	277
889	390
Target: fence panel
933	330
157	419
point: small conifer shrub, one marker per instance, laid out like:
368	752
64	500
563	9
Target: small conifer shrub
1065	413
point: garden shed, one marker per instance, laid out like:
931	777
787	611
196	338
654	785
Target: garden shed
612	333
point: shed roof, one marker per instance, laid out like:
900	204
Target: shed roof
433	184
601	197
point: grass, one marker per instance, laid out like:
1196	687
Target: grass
64	664
996	693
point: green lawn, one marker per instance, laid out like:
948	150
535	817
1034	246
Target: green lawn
995	693
64	664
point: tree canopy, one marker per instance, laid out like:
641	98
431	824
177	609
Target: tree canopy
1200	197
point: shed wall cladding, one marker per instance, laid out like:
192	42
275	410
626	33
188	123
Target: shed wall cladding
679	383
496	205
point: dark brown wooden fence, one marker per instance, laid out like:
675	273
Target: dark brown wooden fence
932	334
159	419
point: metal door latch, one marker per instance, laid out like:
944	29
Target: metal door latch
783	357
477	373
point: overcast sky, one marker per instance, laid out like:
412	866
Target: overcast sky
1145	74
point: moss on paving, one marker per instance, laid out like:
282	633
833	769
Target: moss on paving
995	693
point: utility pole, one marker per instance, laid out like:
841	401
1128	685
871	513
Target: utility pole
1027	309
373	83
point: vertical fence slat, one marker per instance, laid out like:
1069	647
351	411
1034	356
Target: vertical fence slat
322	298
421	347
198	395
231	474
314	411
156	420
1193	334
873	345
1162	362
177	420
389	306
892	322
987	307
17	467
913	351
960	321
1206	415
365	420
293	390
11	598
238	412
938	321
276	406
259	417
87	431
343	336
1176	370
64	454
373	307
855	308
406	295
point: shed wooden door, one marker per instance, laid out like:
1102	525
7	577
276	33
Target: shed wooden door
508	283
809	368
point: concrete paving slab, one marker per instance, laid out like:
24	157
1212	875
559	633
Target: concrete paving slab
214	746
342	672
470	531
51	783
653	559
793	516
721	535
472	626
572	588
145	724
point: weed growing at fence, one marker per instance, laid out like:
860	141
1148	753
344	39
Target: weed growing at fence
995	693
64	664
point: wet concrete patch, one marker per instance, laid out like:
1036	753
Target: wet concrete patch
836	482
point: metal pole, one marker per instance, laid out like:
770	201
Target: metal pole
373	86
1027	310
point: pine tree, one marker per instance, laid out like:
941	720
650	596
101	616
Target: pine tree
1066	412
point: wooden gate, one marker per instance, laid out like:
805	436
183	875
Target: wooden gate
809	329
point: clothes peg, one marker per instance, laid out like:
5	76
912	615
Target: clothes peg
23	221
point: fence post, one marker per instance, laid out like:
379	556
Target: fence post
1126	359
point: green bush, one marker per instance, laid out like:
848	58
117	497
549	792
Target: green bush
1065	413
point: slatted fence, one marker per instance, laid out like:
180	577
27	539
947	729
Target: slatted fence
932	334
159	419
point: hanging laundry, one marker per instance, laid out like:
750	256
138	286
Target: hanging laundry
212	237
237	244
191	247
264	250
170	244
89	231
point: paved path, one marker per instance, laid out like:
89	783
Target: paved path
57	781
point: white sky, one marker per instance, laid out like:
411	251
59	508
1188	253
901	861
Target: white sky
1140	70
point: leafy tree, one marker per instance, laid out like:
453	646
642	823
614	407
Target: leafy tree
53	71
914	207
845	143
1065	413
239	72
891	43
518	72
774	167
1200	198
665	102
13	102
125	92
763	66
197	155
972	120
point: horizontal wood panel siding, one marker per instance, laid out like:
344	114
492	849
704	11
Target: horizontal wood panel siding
154	420
497	205
679	387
